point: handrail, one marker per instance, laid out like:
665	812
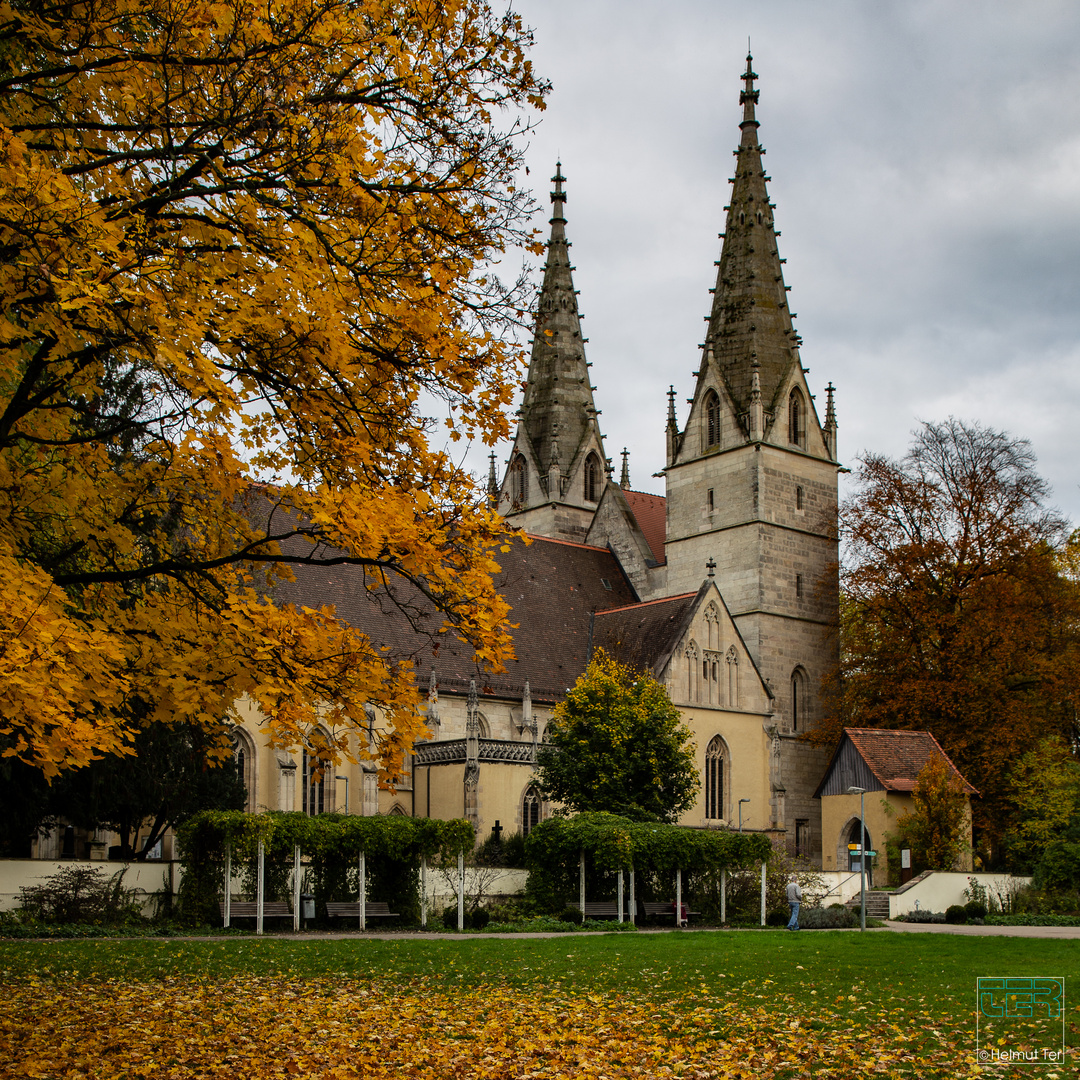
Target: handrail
839	886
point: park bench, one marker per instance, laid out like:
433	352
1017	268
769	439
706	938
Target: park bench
249	909
350	909
653	910
601	909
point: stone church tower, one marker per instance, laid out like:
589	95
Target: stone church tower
752	478
557	469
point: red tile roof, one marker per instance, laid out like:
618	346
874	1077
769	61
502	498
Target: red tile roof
650	511
897	757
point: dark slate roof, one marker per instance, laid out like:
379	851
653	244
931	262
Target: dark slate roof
650	512
644	635
552	587
893	759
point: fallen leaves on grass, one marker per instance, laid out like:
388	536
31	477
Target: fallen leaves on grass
267	1027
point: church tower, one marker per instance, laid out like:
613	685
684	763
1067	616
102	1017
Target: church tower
557	470
752	477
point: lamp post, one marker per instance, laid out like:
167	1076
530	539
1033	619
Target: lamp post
741	801
861	792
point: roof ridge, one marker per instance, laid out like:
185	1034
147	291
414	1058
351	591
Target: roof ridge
646	603
565	543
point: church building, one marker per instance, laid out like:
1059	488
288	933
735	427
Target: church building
724	587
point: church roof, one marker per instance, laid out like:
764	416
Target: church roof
880	759
644	635
552	587
750	322
650	512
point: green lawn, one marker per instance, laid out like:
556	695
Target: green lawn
914	990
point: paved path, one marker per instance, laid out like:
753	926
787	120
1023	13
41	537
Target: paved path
986	931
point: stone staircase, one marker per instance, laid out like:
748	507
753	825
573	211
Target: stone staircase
877	903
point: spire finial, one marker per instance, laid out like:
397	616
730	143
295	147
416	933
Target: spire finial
624	479
493	483
558	196
830	421
671	406
711	566
749	96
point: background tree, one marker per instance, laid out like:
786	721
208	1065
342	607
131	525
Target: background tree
244	242
1044	785
956	614
617	743
935	829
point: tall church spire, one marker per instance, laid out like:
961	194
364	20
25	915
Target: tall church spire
750	319
558	455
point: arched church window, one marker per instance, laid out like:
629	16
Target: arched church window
716	759
244	763
712	419
796	419
313	775
798	700
592	478
531	805
519	481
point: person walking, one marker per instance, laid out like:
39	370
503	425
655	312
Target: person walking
794	899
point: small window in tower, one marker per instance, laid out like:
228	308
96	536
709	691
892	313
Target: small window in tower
712	504
798	498
519	481
592	479
798	584
796	420
712	419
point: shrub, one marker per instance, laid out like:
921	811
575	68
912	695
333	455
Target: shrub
1059	867
834	917
571	915
449	917
925	916
777	918
80	894
479	919
955	913
975	910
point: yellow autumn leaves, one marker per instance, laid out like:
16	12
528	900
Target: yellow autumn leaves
337	1028
242	249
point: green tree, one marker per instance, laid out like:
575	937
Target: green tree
618	744
935	831
1044	785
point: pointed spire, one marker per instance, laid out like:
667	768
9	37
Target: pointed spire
830	421
624	479
672	426
750	315
558	411
493	480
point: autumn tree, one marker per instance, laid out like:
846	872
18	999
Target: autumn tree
956	616
936	829
617	743
243	252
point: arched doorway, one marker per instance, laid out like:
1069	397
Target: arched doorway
854	858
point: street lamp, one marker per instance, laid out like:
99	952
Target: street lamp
861	792
741	801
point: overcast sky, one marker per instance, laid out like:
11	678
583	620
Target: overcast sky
925	164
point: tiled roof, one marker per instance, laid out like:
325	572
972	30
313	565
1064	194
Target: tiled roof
895	757
650	511
644	635
552	587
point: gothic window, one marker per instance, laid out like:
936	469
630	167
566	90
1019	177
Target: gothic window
712	419
796	419
798	700
693	688
397	810
592	478
798	498
313	776
244	763
530	809
716	757
519	481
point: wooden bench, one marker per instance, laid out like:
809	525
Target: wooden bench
350	909
653	910
601	909
249	909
